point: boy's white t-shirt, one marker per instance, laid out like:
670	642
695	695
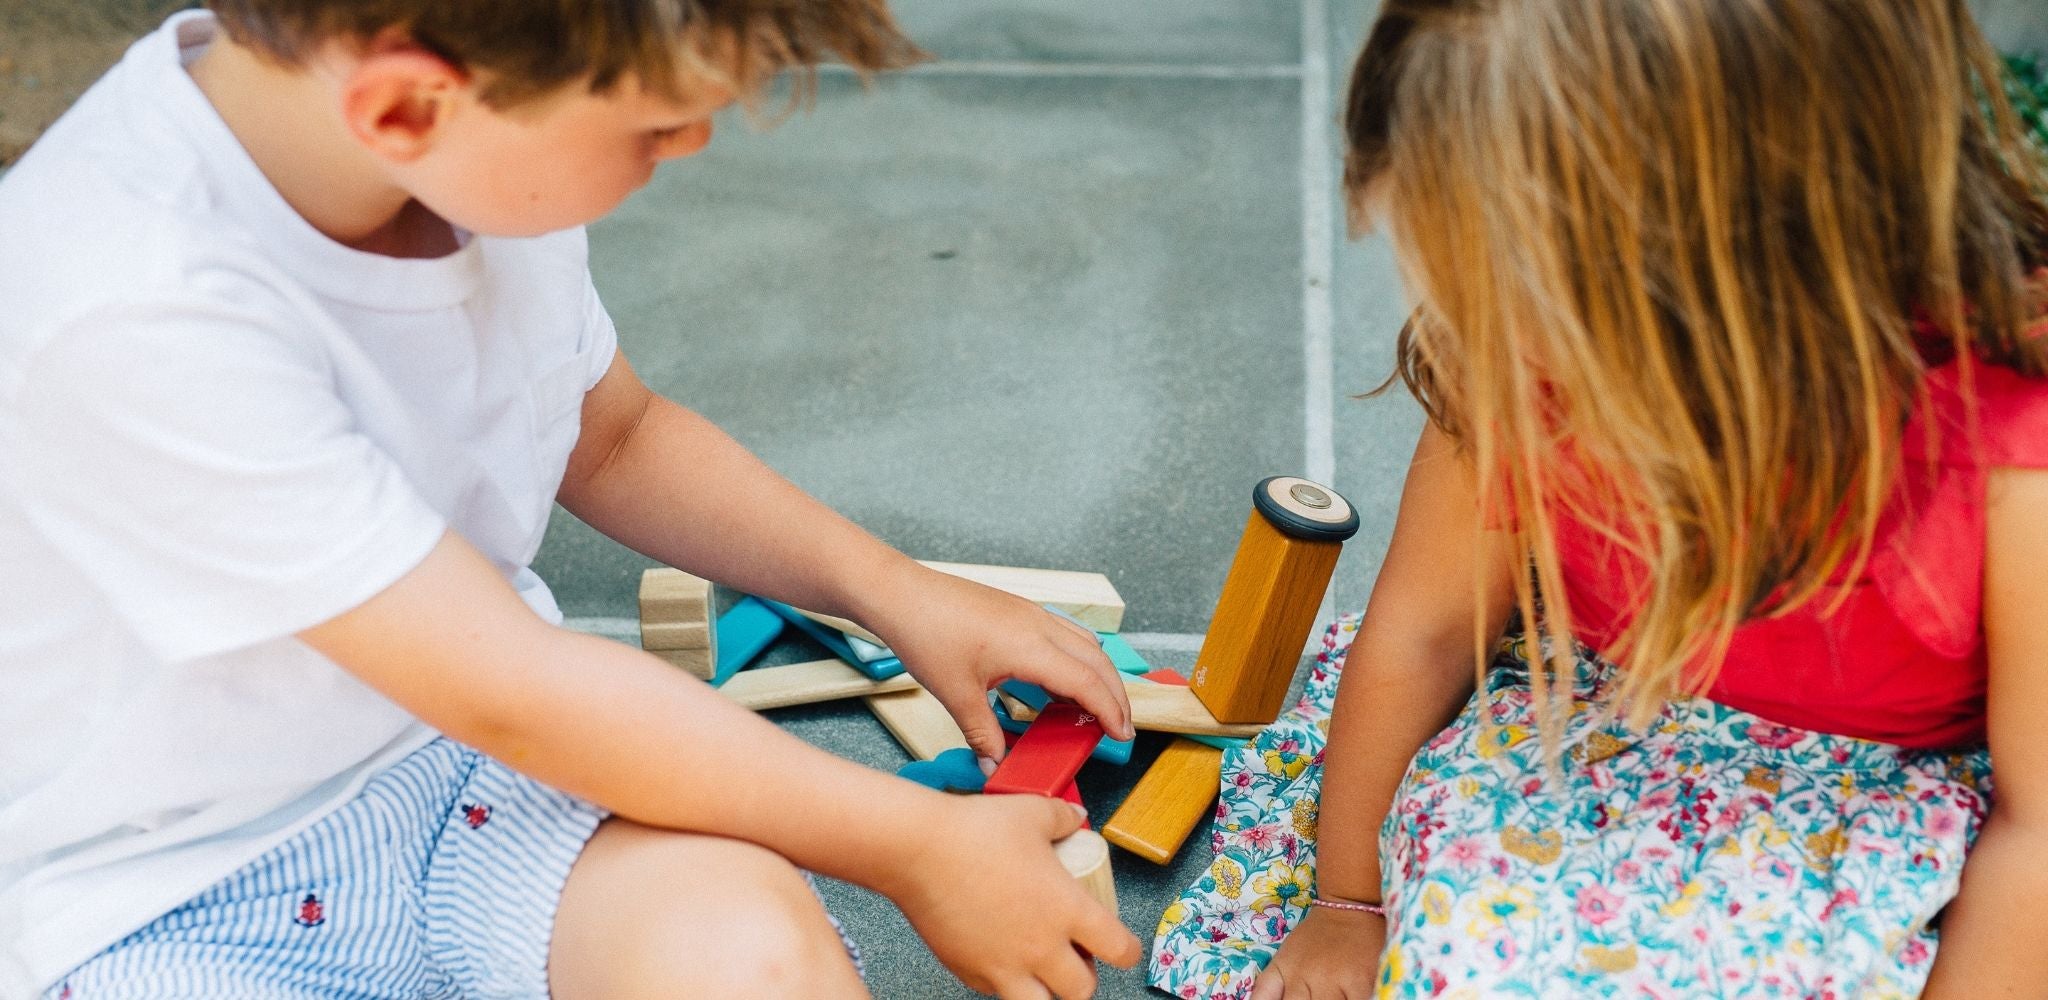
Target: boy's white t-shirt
218	428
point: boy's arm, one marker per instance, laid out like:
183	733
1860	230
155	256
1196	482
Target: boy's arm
669	484
453	644
1990	934
1409	670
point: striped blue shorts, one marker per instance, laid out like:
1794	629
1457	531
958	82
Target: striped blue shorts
440	879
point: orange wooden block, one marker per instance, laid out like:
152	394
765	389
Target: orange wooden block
1270	599
1168	802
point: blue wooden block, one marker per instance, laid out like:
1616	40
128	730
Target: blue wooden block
744	631
1122	655
1107	750
833	640
955	770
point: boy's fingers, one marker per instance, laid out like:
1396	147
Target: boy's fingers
1071	976
1108	939
1060	816
976	721
1023	988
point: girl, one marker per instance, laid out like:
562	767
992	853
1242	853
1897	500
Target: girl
1723	326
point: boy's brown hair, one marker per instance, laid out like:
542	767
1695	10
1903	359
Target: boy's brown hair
523	49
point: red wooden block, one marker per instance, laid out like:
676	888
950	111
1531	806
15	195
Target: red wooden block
1049	754
1165	676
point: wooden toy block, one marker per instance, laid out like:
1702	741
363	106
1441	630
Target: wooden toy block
1110	750
955	770
697	662
1122	655
804	683
1163	676
918	721
1163	708
868	652
743	632
1085	855
1168	802
675	635
1270	598
671	595
835	642
1049	754
1088	598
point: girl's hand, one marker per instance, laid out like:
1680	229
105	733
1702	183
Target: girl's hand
960	638
1331	953
989	897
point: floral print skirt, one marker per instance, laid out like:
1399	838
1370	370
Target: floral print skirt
1711	854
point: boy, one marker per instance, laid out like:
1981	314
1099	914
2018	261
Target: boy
299	348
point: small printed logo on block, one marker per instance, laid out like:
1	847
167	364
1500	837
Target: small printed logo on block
311	913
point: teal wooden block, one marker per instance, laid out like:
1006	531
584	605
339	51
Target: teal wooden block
744	631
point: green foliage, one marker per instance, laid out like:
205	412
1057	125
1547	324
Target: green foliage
2026	86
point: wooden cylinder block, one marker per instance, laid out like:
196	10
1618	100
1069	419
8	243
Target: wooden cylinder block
1270	599
1086	857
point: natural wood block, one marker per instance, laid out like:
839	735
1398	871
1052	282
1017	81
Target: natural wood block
699	663
1089	597
804	683
1262	621
675	635
1168	802
918	721
1086	857
1158	708
671	595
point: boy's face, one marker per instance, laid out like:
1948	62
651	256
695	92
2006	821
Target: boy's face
561	160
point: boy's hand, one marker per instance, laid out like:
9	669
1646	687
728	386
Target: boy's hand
960	638
989	897
1330	953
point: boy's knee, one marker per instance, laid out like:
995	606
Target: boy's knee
736	920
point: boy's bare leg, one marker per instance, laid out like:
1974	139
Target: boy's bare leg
654	913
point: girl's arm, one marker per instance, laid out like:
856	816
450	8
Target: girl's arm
667	483
1409	671
455	646
1990	935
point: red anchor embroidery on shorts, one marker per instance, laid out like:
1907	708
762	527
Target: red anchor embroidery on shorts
476	815
311	913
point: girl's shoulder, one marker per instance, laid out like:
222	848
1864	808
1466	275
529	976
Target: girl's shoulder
1977	414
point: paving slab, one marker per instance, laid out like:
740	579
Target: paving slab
1040	322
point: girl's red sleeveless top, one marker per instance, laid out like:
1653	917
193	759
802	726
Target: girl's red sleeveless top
1901	660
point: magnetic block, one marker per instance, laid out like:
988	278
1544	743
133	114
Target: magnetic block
835	642
1270	598
804	683
1089	597
1161	708
746	628
1085	855
1109	751
1049	753
1168	802
956	770
844	626
675	635
1122	655
918	721
671	595
696	662
866	651
1173	678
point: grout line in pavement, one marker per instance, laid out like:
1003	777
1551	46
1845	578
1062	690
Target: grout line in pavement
1318	235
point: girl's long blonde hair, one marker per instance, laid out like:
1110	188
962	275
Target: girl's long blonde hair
1670	257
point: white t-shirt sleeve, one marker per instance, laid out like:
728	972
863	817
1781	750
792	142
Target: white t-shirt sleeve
196	461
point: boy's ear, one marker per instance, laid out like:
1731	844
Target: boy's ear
398	96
